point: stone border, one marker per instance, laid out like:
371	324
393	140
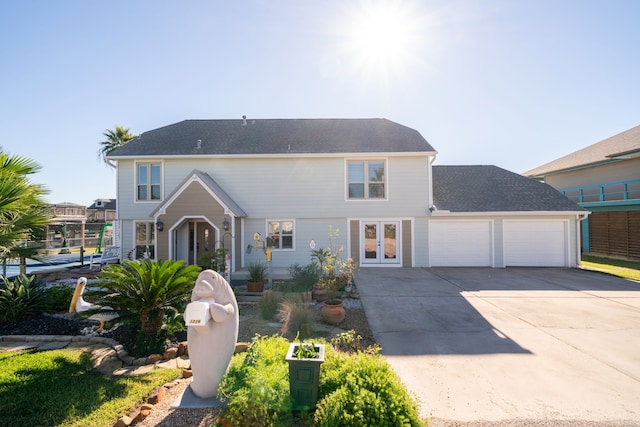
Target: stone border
102	359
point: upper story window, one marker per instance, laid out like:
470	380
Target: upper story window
366	179
148	181
281	234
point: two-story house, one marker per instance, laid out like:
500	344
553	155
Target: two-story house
198	185
605	179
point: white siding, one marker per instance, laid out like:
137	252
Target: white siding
311	187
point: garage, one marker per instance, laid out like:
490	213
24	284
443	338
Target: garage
461	243
540	243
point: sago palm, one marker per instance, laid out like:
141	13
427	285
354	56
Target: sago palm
146	289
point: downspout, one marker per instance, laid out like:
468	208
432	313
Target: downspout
581	218
430	178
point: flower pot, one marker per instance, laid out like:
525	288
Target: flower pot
255	286
320	293
304	377
333	312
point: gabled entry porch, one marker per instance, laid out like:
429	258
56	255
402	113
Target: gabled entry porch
196	219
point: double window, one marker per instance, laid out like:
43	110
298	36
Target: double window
366	179
281	234
148	181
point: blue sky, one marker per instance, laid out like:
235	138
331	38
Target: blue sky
513	83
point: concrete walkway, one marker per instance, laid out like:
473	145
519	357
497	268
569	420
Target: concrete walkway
480	344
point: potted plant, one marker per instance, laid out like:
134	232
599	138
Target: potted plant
304	373
257	273
320	257
332	309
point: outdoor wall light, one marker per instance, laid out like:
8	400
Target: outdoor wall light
225	224
159	225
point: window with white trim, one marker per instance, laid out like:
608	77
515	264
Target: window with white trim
281	234
366	179
145	240
148	181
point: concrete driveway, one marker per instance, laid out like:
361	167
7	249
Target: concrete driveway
480	344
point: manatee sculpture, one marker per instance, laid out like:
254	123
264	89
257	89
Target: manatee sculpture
212	331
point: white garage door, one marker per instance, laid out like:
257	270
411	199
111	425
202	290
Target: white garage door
534	243
460	243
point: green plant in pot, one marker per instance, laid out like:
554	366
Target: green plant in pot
257	274
304	373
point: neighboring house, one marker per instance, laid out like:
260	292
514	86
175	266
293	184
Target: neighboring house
101	216
67	225
604	178
102	211
197	185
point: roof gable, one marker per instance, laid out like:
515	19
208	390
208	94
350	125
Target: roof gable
275	136
493	189
211	186
615	148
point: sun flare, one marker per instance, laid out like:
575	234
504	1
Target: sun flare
382	37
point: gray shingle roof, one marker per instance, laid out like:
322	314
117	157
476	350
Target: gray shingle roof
607	150
275	136
493	189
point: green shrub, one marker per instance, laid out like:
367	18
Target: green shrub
304	276
268	305
362	390
58	298
351	342
20	297
359	389
256	385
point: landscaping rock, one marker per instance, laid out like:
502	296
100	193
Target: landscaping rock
157	396
153	359
124	421
170	353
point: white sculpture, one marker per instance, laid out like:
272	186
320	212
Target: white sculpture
212	331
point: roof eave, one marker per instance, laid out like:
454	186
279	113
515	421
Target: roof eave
279	155
446	213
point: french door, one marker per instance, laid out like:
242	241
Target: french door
380	242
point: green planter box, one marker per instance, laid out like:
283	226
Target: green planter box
304	377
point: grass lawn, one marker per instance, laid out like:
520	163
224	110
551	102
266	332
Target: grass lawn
621	268
60	388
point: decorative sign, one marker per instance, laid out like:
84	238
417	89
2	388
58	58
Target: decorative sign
312	244
258	244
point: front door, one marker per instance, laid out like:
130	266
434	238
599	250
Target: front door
380	242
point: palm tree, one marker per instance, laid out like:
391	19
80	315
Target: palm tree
116	138
145	290
22	207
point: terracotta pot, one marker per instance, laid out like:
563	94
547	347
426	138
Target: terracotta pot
333	312
255	286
